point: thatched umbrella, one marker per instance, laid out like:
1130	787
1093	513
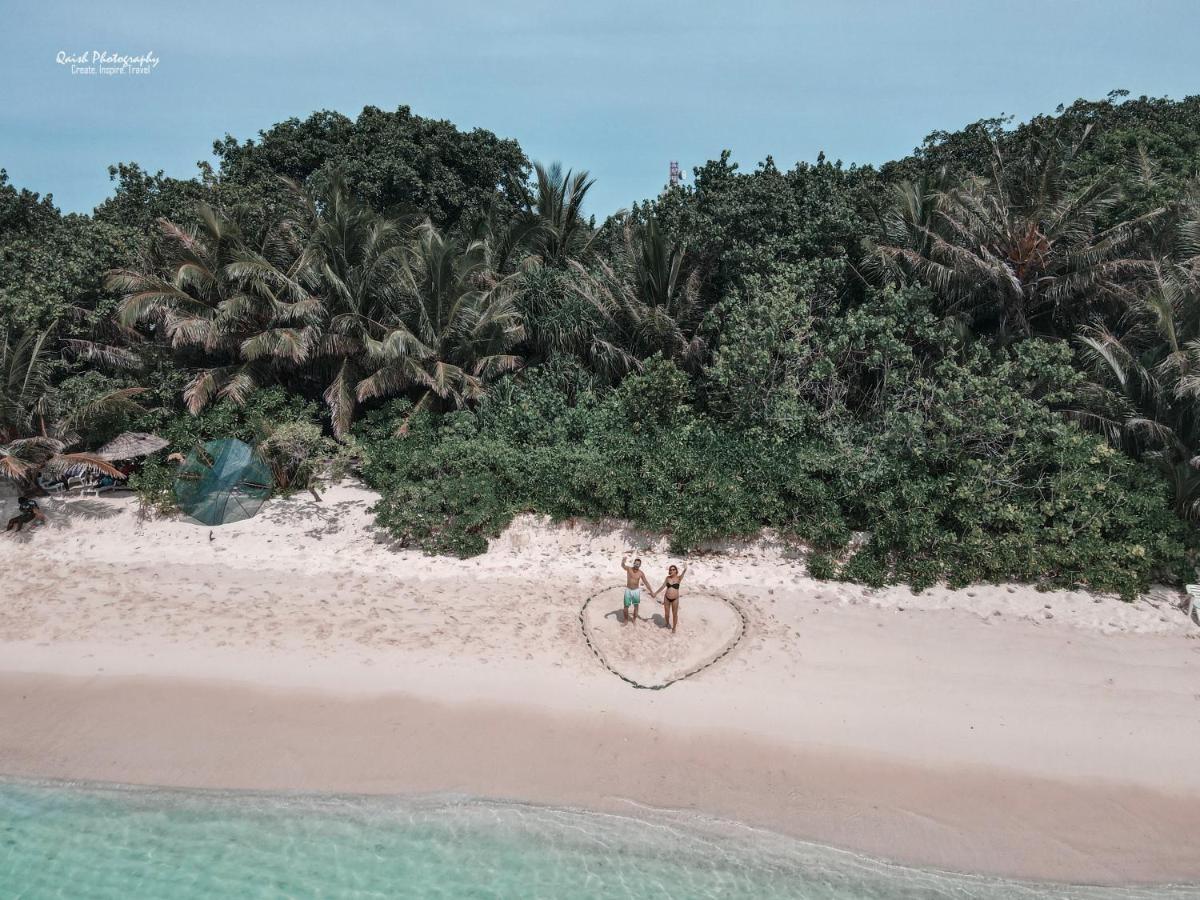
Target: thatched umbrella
131	445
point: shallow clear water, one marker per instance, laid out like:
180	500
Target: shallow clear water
104	842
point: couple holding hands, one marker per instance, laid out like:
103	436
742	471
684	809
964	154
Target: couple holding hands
635	578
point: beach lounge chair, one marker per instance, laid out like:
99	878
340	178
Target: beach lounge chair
1193	591
54	489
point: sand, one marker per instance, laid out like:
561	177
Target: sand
647	653
997	729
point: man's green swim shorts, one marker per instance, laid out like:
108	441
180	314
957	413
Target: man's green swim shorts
633	596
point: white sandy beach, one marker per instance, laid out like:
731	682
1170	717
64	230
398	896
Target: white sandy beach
996	729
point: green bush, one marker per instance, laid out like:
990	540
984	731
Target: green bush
154	486
988	485
821	566
267	407
867	566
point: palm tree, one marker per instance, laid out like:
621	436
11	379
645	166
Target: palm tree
35	432
231	293
562	321
562	234
336	296
649	301
292	300
1145	392
353	258
540	246
509	236
1020	251
908	222
454	328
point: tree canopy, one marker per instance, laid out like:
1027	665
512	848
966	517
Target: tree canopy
983	359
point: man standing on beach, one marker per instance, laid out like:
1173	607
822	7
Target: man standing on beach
634	579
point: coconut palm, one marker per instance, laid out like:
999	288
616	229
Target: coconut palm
454	329
231	293
908	222
293	300
649	301
353	260
1145	391
510	237
1020	251
562	233
541	245
35	432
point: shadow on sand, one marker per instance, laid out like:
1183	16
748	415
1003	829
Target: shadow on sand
315	520
652	619
62	514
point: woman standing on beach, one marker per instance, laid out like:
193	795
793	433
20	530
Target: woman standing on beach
671	598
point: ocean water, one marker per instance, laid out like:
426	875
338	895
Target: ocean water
86	841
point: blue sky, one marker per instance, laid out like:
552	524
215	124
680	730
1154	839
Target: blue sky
619	88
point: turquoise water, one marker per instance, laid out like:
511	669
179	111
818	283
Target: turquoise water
105	842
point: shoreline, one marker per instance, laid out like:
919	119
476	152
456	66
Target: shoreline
993	730
178	733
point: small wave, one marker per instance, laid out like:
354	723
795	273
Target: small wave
71	839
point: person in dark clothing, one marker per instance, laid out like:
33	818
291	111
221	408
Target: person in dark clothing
28	512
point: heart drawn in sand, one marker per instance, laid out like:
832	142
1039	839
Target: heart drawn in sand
649	655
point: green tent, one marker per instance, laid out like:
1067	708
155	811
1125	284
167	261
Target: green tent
224	481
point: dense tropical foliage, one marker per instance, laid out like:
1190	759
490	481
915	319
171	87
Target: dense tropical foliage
978	362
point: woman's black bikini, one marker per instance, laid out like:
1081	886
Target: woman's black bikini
673	587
